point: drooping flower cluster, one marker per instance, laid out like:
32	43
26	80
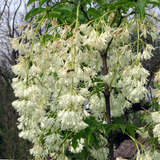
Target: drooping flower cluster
156	115
55	80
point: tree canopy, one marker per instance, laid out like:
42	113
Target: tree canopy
90	10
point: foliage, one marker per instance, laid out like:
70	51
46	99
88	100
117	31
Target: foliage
90	10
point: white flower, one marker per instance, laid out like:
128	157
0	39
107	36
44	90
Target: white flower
79	148
157	77
47	123
71	120
20	69
155	117
36	150
97	105
156	131
70	99
53	91
100	154
14	43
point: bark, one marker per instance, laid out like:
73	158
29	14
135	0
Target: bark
107	91
107	103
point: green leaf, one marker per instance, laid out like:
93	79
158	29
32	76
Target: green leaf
101	2
53	14
30	2
33	12
46	38
75	142
123	128
108	128
63	13
65	8
157	85
141	7
85	2
93	13
131	130
55	75
125	5
42	2
91	121
41	75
